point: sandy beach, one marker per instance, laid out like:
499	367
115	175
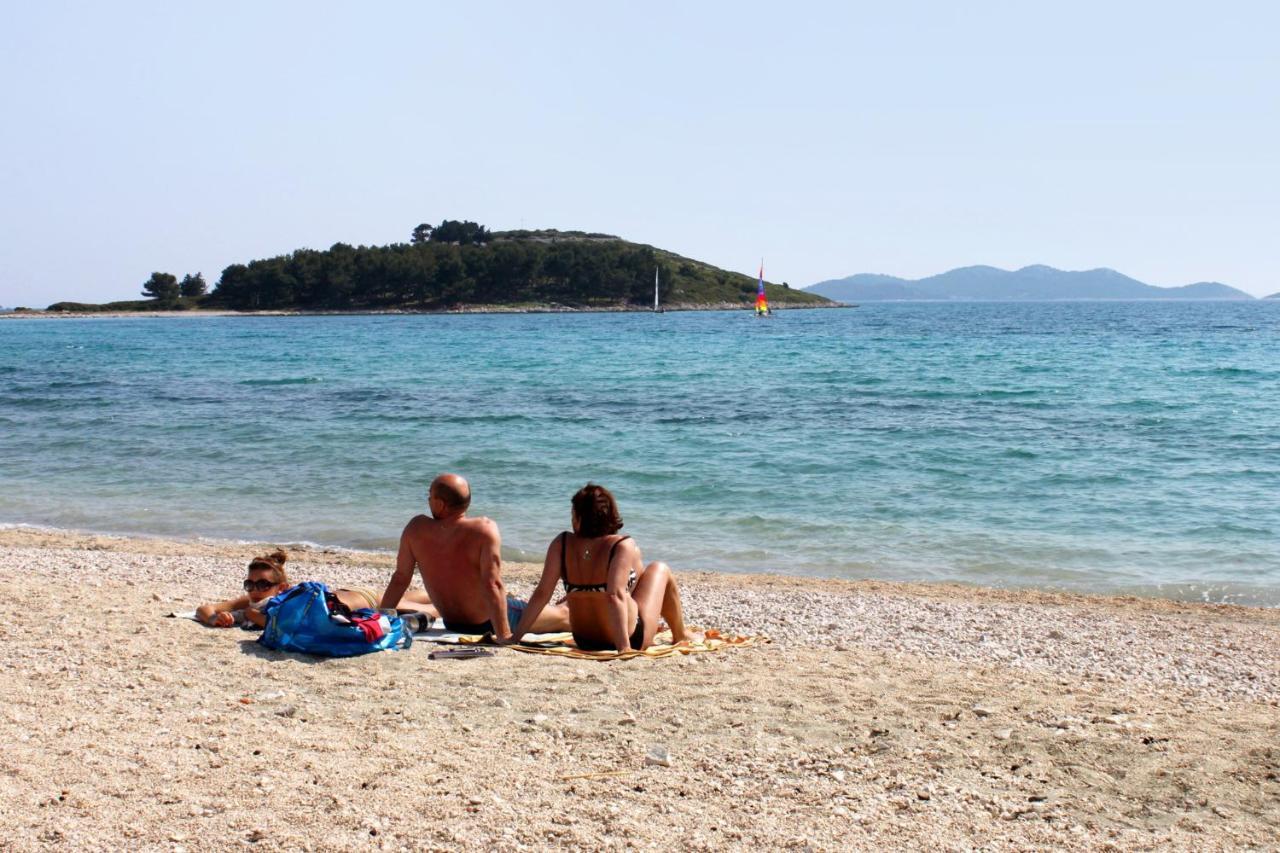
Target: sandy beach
880	715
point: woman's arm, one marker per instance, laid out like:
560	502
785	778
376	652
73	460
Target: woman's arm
256	616
617	593
541	594
219	615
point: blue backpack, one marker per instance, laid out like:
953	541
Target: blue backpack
308	618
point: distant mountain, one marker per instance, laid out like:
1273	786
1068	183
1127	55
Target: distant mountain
1274	296
1029	283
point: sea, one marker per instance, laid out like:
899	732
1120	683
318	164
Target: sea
1101	447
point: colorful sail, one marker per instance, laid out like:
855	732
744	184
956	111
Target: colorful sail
762	304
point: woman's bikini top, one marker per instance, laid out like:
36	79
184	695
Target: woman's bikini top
590	587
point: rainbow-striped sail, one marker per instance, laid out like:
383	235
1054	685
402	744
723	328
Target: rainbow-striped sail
762	304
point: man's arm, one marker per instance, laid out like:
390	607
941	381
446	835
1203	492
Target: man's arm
541	595
491	579
403	574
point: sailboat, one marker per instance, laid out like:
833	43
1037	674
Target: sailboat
762	304
656	309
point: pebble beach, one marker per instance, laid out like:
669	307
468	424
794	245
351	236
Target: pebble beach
879	714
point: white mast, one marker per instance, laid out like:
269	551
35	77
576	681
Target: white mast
655	288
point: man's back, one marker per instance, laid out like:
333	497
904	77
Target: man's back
461	567
459	561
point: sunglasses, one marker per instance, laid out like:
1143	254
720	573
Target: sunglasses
259	585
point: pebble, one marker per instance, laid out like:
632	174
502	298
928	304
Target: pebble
500	702
658	756
1003	734
982	711
1126	645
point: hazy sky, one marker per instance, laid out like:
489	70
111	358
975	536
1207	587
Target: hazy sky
830	139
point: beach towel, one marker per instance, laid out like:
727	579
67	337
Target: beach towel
439	634
241	622
712	641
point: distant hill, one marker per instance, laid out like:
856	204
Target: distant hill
1274	296
1036	282
463	266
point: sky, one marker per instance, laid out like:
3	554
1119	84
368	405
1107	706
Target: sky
827	139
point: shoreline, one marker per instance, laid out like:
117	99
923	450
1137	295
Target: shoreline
374	568
1150	597
40	314
1136	595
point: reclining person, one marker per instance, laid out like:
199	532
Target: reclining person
461	567
267	579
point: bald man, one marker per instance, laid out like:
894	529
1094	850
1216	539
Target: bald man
461	567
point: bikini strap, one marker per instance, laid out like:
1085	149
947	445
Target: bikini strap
614	548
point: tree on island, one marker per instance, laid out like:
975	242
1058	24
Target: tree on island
162	287
421	234
463	233
193	286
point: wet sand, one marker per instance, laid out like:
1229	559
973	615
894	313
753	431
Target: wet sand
934	716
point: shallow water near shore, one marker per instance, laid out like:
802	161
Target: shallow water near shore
1097	447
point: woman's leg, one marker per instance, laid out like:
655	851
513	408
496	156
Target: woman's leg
656	593
417	599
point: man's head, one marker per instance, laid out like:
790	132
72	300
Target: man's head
449	496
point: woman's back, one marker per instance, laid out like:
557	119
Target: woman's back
585	565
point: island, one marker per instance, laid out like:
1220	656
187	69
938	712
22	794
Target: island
462	266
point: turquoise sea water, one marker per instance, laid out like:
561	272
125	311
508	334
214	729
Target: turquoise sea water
1091	446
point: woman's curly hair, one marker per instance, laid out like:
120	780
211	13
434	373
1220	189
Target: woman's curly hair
597	511
274	563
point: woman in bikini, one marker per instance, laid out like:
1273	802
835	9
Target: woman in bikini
614	599
266	578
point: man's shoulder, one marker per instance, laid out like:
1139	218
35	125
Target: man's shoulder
419	524
482	526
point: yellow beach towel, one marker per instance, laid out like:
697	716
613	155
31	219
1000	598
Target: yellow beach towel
712	641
